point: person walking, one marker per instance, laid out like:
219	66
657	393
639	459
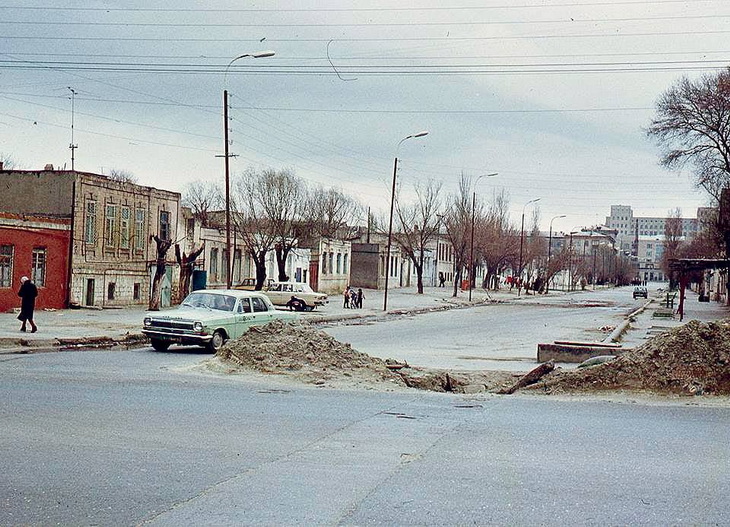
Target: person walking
346	297
28	292
359	298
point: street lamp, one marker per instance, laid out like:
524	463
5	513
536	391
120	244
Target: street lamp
227	156
522	243
390	224
472	276
550	248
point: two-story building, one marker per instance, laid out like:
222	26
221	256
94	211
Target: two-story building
110	255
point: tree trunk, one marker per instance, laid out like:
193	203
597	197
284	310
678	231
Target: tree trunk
281	255
156	295
259	259
187	264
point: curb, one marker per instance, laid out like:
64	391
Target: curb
26	346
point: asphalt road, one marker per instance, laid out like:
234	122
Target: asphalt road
125	438
498	336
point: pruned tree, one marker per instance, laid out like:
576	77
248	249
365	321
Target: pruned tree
123	176
418	225
161	267
457	220
187	265
692	126
203	197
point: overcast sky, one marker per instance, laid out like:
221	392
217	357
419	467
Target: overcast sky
552	95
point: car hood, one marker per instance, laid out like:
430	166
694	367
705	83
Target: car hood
189	313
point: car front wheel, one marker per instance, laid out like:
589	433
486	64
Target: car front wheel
216	342
160	345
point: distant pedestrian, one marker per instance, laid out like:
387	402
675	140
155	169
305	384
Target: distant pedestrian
359	297
442	279
346	297
28	292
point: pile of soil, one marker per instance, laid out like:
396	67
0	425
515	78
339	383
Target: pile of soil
300	352
692	359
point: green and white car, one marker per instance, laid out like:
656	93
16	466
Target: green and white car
209	317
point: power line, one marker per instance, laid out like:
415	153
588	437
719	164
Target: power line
353	10
571	21
366	39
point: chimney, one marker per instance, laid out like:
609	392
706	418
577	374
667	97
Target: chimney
49	166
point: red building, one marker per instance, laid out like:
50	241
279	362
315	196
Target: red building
36	247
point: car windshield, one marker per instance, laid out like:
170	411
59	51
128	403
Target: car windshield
210	301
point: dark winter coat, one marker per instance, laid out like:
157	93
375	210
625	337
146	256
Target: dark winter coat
28	292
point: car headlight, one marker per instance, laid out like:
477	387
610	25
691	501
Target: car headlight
198	326
147	321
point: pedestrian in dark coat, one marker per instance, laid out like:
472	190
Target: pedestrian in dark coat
360	296
28	292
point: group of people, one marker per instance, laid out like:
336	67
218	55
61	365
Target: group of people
352	298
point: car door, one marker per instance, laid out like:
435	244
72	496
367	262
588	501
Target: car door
261	313
244	316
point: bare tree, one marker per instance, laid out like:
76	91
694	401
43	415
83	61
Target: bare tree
281	198
7	162
457	221
123	176
203	197
329	212
672	243
251	220
692	125
418	225
497	240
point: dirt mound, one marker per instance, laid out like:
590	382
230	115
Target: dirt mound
309	355
693	359
300	352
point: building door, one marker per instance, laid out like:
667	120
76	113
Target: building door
90	283
314	274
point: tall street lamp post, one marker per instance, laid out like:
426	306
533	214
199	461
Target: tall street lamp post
472	275
227	156
550	247
522	243
390	224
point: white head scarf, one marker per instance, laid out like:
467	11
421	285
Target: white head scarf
24	279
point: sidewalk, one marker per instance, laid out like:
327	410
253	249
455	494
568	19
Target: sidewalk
84	328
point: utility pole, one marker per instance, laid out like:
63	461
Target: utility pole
73	146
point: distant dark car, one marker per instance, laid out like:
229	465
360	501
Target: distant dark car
640	291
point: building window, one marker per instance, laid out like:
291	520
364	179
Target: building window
110	290
225	264
324	263
124	229
339	263
331	261
6	265
110	224
344	263
39	267
139	232
165	225
90	227
137	291
190	229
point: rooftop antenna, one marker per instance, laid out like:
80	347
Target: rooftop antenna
72	146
